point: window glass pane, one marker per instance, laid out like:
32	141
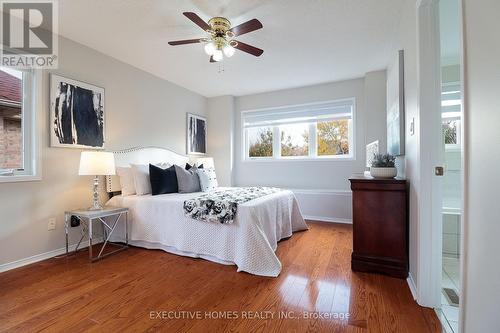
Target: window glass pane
450	131
333	137
294	140
11	97
260	142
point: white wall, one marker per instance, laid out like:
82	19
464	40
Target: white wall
482	74
220	121
141	109
317	183
409	166
314	174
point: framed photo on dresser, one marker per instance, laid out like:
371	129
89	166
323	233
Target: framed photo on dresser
196	135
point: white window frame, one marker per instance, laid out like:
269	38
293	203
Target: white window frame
312	138
31	145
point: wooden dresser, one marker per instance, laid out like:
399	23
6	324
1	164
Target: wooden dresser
380	225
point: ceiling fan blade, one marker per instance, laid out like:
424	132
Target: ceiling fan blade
212	59
197	20
246	27
185	41
249	49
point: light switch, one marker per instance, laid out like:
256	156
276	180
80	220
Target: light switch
412	126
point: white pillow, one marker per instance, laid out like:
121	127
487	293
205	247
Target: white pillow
126	180
208	179
141	177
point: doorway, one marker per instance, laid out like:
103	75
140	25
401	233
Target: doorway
451	115
440	54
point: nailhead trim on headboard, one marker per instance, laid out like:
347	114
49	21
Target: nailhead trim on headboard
112	182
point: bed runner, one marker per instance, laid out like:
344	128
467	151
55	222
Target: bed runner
221	205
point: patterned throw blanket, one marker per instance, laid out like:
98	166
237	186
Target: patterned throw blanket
221	205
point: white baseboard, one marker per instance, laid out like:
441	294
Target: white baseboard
43	256
412	286
327	219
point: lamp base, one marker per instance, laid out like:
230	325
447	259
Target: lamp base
96	205
95	208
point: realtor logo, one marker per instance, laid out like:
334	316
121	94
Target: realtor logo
29	33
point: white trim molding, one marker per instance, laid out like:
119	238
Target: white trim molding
32	129
412	286
44	256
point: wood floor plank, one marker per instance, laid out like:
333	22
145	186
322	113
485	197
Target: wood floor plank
124	292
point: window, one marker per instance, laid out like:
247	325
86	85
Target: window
261	141
17	125
333	137
451	107
294	140
312	131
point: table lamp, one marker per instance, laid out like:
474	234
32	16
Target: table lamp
96	163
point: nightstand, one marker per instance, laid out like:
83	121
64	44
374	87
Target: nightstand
380	225
87	217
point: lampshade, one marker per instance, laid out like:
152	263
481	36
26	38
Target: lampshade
217	56
228	51
210	48
96	163
208	162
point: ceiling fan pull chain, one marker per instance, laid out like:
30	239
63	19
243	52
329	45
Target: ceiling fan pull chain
221	67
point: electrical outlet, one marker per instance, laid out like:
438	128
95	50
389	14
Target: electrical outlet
52	224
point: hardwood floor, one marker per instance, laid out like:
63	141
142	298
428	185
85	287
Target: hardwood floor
126	292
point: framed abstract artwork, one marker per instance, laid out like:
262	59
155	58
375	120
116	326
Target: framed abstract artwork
371	150
77	116
396	107
196	135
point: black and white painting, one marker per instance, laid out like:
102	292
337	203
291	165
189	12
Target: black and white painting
76	114
196	134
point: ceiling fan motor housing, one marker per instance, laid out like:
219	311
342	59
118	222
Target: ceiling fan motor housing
220	31
219	25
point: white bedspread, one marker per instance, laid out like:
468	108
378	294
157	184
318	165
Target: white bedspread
158	222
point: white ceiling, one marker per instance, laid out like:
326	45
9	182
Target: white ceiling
304	41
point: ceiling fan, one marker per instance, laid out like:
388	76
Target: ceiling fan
220	41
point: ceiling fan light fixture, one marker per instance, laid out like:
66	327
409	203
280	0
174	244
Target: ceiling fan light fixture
219	42
210	48
228	51
217	55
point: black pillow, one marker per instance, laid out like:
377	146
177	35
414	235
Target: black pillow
163	181
189	166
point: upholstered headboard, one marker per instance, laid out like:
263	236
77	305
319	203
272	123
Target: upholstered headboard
142	155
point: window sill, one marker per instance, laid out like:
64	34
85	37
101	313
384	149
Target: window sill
299	159
19	178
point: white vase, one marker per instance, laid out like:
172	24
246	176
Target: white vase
383	172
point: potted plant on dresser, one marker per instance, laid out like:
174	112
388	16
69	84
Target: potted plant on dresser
383	166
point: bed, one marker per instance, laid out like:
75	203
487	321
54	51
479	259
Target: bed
160	222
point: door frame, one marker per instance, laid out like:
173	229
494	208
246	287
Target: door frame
430	154
430	223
